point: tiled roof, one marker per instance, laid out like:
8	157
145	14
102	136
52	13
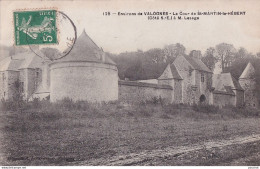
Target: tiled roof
85	49
10	64
249	72
31	61
197	64
175	72
221	81
145	72
23	60
236	84
159	71
167	73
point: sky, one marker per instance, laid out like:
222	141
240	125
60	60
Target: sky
117	34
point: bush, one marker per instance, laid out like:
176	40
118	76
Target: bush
204	108
11	105
176	108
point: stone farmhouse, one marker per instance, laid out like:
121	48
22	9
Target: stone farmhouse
88	74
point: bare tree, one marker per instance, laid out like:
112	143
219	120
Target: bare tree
174	50
225	54
210	58
241	53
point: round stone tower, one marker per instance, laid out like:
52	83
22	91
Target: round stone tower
85	74
248	83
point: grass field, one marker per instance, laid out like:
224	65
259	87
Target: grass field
59	134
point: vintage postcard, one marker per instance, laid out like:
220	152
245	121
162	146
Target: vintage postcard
129	83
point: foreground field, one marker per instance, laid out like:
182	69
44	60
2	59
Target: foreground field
80	134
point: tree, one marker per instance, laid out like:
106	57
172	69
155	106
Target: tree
173	50
241	53
210	58
156	55
258	54
225	54
51	53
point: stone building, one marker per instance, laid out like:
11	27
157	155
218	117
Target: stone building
187	80
197	79
23	68
248	83
86	73
227	90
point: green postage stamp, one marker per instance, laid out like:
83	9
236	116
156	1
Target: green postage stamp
35	27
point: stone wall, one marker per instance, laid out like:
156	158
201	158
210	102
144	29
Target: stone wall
239	98
188	76
11	78
177	91
88	81
132	92
46	76
221	99
249	94
30	81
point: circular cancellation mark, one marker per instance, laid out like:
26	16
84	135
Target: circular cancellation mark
66	34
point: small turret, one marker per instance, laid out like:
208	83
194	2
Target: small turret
248	83
248	73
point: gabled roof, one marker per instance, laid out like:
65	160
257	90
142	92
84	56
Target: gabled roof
23	60
85	49
197	64
156	71
167	73
31	61
236	84
145	72
170	72
175	72
220	81
10	64
249	72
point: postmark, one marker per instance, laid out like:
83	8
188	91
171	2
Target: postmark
51	34
35	27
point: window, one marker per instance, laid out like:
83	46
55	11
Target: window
21	87
202	77
36	83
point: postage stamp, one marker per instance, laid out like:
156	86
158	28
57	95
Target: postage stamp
35	27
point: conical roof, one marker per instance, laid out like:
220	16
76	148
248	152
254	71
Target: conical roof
248	73
85	49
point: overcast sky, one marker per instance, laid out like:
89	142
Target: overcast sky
128	33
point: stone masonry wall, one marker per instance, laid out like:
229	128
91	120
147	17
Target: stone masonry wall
93	82
224	99
249	94
187	74
239	98
133	92
192	87
177	91
11	77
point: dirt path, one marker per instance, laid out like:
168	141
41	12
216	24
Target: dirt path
135	159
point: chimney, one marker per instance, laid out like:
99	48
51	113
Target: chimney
196	54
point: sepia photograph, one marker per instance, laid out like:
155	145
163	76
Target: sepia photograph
129	83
